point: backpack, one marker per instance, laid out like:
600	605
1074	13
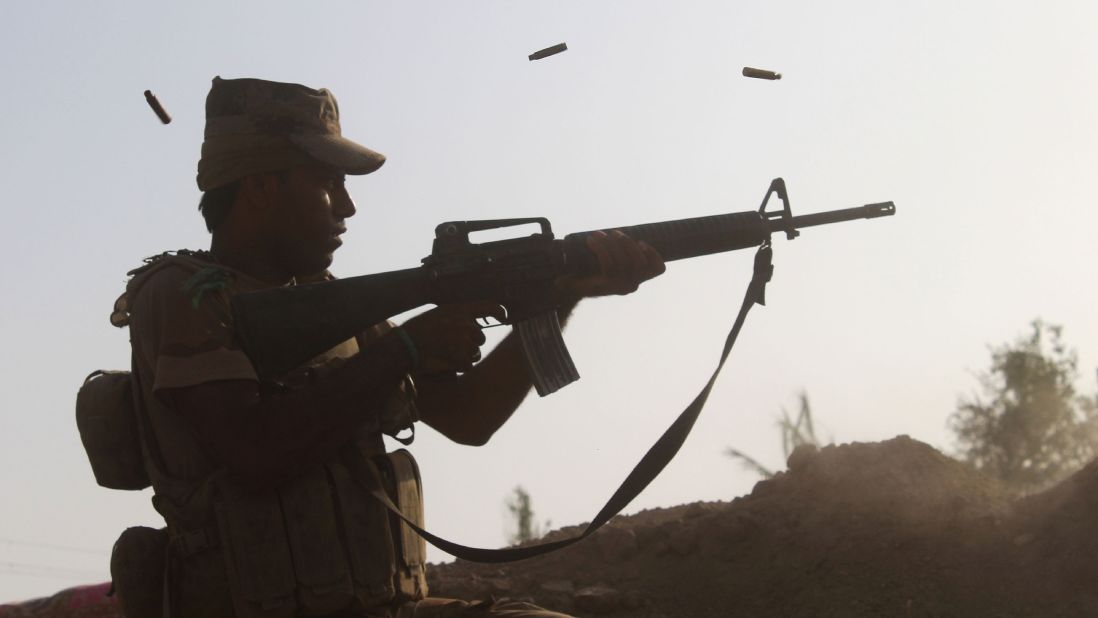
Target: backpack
107	420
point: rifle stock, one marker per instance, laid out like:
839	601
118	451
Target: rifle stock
281	328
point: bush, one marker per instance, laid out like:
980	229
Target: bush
1030	428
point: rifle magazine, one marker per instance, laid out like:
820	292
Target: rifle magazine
550	363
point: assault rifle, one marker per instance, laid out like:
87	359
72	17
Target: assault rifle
281	328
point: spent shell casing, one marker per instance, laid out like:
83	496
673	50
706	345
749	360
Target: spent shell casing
760	73
154	103
549	51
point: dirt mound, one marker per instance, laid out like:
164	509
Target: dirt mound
879	529
882	529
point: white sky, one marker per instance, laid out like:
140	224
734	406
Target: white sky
976	118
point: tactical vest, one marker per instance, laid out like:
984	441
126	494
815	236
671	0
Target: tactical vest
315	544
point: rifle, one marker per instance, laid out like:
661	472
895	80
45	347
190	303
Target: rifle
281	328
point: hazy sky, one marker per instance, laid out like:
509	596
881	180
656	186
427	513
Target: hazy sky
977	118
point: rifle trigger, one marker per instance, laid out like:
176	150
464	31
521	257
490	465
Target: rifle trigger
484	323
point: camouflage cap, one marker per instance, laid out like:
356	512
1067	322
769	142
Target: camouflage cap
254	126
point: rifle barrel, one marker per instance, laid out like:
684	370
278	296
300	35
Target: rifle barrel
869	211
697	236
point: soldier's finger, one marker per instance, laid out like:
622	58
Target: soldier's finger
484	309
616	261
465	364
471	312
458	356
638	262
596	242
654	264
474	335
618	247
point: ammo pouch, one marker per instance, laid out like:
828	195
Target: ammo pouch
400	473
107	420
137	571
316	544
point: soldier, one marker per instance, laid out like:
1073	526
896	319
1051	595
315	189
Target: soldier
260	484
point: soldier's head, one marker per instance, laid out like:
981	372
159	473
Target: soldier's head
272	169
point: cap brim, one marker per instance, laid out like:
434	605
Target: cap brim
340	152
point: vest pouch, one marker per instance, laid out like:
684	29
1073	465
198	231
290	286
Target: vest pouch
369	541
312	528
401	474
107	420
137	571
257	555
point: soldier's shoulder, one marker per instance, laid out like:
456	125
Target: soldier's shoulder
172	275
181	260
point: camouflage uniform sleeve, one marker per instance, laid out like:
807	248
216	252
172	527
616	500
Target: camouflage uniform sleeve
185	340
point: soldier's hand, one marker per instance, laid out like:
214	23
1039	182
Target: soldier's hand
448	338
624	264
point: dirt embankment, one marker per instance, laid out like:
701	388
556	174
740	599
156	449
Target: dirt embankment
878	529
875	530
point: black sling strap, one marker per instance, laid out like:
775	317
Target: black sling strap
649	467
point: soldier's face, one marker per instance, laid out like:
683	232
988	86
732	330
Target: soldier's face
308	218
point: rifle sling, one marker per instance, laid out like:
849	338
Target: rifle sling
654	461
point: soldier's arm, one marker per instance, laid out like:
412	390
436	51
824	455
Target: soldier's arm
470	408
196	369
268	434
